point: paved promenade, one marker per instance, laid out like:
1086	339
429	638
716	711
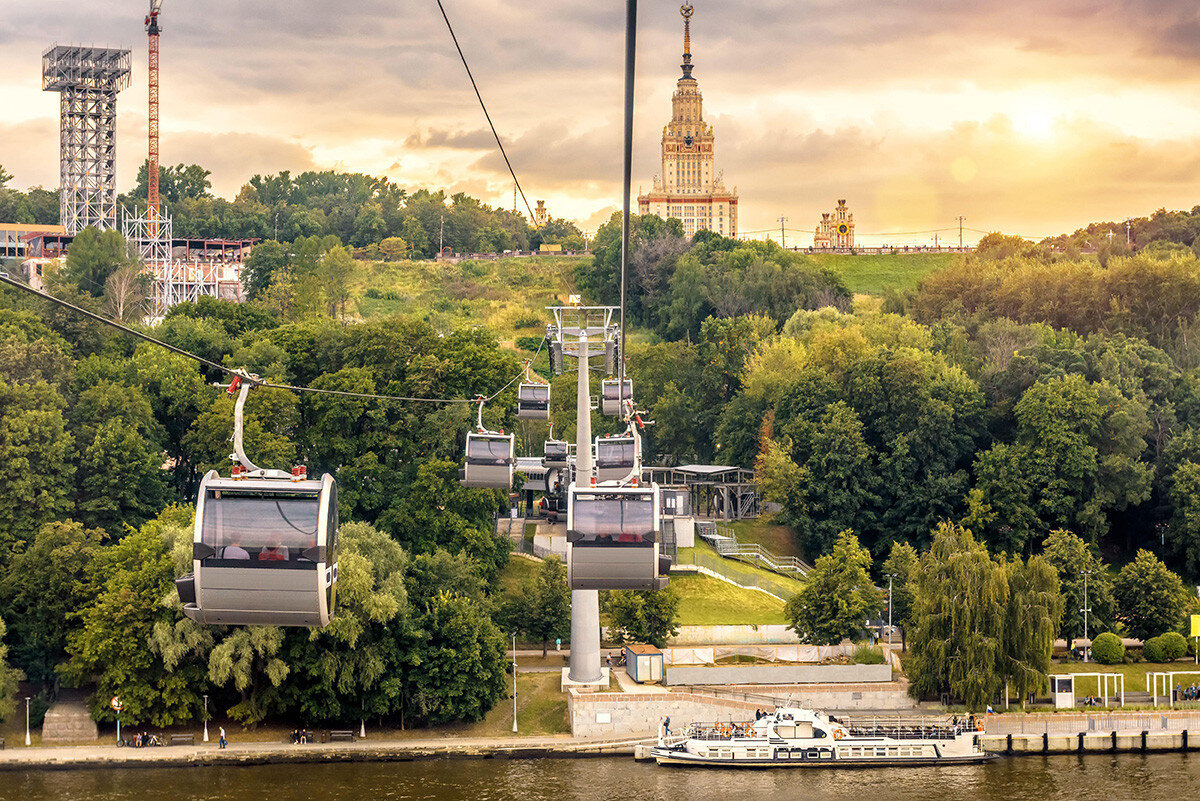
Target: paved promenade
368	750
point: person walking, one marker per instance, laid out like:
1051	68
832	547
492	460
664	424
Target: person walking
221	736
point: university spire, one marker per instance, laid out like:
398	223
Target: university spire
686	10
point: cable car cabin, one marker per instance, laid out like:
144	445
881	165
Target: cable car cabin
489	460
533	402
611	395
264	552
612	539
615	458
554	453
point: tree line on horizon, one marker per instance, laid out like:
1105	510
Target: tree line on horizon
362	211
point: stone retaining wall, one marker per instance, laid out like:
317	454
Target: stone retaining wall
675	675
612	715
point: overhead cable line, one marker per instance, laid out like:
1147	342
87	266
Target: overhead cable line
10	281
485	112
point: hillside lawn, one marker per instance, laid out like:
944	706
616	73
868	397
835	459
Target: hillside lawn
508	295
706	601
875	275
779	540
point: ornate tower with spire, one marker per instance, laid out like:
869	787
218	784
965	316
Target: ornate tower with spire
689	188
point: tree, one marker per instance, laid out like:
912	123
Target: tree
545	603
980	622
36	469
1072	558
900	567
113	645
1150	598
355	665
644	615
838	596
126	291
93	257
393	248
265	261
43	592
338	269
5	176
10	679
455	658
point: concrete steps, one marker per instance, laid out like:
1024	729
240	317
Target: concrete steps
69	722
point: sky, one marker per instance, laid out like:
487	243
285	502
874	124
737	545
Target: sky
1033	117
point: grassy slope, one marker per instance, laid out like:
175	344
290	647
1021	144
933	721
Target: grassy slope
779	540
737	566
497	294
875	275
706	601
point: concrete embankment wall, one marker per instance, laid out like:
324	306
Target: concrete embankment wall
892	695
776	674
1091	742
612	715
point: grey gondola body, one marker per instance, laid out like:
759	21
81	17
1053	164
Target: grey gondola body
555	453
615	458
489	461
611	395
255	516
533	402
613	538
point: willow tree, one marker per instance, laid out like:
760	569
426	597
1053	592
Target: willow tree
960	603
981	622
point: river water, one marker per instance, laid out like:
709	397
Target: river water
1093	777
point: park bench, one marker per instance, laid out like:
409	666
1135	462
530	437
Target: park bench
345	735
182	739
307	734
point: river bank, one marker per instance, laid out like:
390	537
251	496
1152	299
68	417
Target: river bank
209	754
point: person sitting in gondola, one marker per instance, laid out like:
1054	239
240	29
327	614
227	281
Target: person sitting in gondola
234	551
278	552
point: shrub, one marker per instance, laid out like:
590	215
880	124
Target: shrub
868	655
1107	649
1175	645
1154	651
371	293
529	322
529	343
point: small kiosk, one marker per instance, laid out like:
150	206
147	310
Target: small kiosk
643	663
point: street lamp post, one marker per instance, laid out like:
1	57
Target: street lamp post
28	739
1086	642
206	718
890	577
514	682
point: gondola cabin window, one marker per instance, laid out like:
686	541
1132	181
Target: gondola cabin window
265	529
489	450
614	519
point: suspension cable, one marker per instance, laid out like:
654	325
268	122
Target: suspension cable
483	105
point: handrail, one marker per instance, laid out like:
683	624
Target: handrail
724	541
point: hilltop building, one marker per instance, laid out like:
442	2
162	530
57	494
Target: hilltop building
836	229
540	215
689	188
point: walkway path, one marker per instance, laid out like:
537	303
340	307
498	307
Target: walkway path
91	756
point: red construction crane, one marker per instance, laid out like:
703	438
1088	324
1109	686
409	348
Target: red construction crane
152	30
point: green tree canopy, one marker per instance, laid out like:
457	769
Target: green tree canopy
1150	598
838	596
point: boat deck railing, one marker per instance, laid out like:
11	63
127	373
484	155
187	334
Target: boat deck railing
720	730
900	728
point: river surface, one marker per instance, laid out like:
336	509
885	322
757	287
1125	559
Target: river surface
1093	777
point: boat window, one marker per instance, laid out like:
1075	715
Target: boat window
489	450
271	527
614	453
617	518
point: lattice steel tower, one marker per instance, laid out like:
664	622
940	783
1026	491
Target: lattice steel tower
87	80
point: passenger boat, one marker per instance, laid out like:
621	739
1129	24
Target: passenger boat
794	737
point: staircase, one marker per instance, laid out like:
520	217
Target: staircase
723	539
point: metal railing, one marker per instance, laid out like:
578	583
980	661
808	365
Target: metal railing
724	540
731	571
